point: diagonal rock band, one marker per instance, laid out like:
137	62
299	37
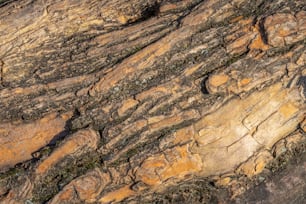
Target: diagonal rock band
117	101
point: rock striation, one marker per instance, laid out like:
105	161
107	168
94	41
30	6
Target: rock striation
110	101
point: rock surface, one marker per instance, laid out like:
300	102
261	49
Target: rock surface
110	101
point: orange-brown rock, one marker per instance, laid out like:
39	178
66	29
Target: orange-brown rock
76	144
83	189
238	129
117	195
216	81
175	163
129	101
18	141
19	194
256	164
217	143
283	29
128	104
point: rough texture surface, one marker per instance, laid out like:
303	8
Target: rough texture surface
130	101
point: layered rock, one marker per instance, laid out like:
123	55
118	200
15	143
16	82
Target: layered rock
131	98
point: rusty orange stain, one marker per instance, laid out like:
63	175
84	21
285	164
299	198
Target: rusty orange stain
238	18
117	195
185	164
258	43
157	169
126	105
151	180
246	22
155	162
153	91
288	110
245	81
218	80
184	135
122	19
66	194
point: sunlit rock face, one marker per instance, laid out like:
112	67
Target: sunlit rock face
103	102
20	140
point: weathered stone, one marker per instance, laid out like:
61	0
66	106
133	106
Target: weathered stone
126	105
292	141
279	148
83	189
131	129
117	195
303	125
76	145
238	129
20	140
174	120
256	164
283	29
159	92
223	181
19	194
216	81
175	163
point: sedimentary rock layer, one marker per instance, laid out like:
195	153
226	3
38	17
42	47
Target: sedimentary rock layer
106	101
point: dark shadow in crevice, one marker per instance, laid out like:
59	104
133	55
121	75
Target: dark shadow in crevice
262	31
204	89
5	2
56	139
59	136
150	11
147	13
67	130
302	82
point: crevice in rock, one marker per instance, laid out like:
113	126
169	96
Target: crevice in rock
1	74
262	31
203	85
302	83
5	2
